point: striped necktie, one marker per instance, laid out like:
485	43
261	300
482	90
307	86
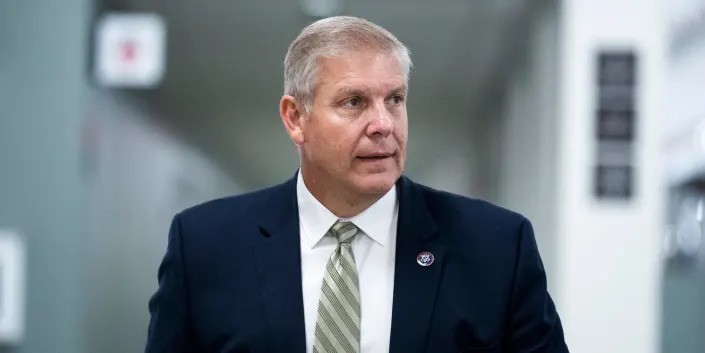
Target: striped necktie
338	323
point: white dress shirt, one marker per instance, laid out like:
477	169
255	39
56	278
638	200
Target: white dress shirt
374	250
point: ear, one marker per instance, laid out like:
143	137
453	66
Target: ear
292	118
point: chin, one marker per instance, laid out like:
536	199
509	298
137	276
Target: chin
377	183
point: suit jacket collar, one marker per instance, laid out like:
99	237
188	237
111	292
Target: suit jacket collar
415	219
279	208
414	216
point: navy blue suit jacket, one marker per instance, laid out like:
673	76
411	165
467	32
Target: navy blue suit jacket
231	278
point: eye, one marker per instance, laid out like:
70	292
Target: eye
396	99
354	102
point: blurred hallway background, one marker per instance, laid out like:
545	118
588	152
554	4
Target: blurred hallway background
586	116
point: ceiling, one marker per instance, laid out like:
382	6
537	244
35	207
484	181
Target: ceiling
224	66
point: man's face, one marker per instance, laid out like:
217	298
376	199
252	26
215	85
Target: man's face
355	136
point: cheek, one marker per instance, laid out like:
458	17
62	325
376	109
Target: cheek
331	143
401	133
343	145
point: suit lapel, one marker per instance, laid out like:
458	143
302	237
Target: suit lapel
277	251
415	286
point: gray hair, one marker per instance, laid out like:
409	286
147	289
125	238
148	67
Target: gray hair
334	36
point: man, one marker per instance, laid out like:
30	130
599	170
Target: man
349	255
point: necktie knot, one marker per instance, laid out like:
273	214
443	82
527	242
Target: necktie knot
344	232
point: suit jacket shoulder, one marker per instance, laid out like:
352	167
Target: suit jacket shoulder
239	214
225	208
476	220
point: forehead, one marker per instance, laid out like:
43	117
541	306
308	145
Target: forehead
364	70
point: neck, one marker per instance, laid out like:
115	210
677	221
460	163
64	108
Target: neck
340	201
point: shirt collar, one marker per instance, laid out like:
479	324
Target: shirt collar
316	219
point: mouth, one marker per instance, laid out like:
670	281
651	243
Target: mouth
376	156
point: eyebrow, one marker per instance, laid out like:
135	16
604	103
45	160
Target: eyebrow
358	92
346	91
401	89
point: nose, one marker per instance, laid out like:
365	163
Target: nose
381	122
